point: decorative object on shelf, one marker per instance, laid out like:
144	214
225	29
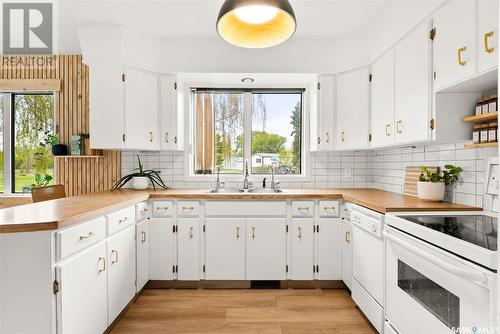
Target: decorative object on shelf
86	149
141	179
256	23
53	140
77	144
432	185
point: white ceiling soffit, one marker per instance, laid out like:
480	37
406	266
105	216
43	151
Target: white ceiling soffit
196	18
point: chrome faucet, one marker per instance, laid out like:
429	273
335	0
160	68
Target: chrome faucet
274	184
245	181
219	184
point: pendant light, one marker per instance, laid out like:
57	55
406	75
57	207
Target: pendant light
256	24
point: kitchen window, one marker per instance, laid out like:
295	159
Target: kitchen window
261	126
25	121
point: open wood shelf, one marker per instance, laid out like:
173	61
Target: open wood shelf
78	156
481	118
495	144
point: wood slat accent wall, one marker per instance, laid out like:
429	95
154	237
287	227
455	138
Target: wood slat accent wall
83	175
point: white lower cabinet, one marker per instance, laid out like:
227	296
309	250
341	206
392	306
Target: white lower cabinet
82	300
347	252
161	248
121	271
225	249
142	244
188	249
329	262
302	249
266	249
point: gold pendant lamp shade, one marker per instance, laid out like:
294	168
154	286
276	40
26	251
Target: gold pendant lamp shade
256	24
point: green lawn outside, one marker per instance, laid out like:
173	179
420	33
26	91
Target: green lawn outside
23	180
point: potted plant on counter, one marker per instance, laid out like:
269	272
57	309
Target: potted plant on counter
141	179
431	186
53	140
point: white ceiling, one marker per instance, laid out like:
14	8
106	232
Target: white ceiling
318	19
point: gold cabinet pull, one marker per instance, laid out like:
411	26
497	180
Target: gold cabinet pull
151	136
89	235
486	39
143	237
398	126
166	137
348	237
191	232
461	62
387	127
253	232
161	208
237	232
103	261
329	208
123	220
303	210
187	209
342	136
300	233
327	137
319	140
115	258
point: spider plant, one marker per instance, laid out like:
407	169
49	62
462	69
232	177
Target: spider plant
152	175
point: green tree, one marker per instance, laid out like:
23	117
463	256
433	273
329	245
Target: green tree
296	122
263	142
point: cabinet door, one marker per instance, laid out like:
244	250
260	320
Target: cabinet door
82	301
225	249
121	273
141	110
347	252
161	249
382	97
188	249
352	110
454	42
302	252
488	34
326	112
330	249
266	249
106	108
171	118
413	86
142	240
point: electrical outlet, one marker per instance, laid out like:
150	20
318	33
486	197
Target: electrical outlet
347	173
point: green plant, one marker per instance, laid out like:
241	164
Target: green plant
41	181
50	139
152	175
449	175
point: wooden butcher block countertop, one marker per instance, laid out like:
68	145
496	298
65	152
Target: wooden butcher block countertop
60	213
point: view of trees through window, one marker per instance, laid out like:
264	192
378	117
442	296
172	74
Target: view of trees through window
274	133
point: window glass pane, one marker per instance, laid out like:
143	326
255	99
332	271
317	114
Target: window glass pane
1	141
218	132
33	116
276	132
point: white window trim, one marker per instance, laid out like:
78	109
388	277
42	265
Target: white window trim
305	176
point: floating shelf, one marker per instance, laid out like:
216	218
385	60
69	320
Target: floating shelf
482	118
66	157
481	145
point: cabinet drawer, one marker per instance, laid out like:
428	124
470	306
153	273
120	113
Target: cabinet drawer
120	219
302	208
141	211
163	208
329	209
188	208
245	208
76	238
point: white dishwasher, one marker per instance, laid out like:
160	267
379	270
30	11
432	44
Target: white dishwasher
368	264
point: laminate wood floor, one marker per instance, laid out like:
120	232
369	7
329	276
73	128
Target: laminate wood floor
243	312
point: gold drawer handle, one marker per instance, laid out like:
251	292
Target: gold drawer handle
103	261
143	237
342	136
327	137
300	233
89	235
191	233
238	232
348	237
151	137
387	127
188	209
398	126
253	232
303	210
329	208
123	220
486	38
461	61
162	208
166	137
115	259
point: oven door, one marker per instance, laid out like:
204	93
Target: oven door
429	290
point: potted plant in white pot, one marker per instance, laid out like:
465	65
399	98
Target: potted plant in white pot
431	186
141	179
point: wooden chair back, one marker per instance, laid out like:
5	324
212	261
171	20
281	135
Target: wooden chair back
40	194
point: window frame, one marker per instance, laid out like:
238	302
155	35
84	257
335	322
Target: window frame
305	89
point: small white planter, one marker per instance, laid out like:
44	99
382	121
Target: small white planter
140	183
431	191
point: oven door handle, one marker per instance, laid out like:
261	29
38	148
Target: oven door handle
468	274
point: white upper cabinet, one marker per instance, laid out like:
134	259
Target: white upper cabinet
107	119
488	34
141	110
382	100
454	42
172	120
353	110
413	77
326	112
